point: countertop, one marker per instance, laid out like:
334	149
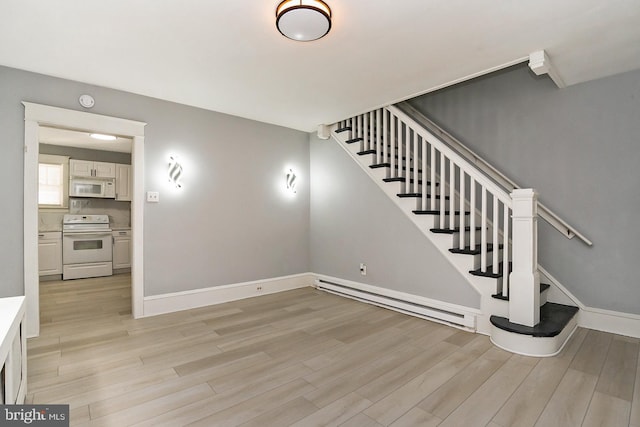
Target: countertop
116	227
49	227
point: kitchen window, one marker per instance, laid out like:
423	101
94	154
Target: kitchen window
53	181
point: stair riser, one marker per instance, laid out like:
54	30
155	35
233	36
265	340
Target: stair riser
447	219
467	238
477	259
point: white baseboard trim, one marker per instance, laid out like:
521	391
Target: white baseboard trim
178	301
598	319
438	311
626	324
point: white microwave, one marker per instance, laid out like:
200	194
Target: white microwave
92	187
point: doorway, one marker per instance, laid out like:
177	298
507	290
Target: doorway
37	115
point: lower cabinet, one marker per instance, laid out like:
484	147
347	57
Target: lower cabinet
13	351
121	249
50	253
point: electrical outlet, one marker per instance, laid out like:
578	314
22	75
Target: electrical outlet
363	268
258	288
153	196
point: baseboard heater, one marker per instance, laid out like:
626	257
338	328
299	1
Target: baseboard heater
465	321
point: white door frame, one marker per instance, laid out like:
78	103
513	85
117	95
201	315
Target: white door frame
36	115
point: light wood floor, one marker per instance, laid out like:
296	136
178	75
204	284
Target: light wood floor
308	358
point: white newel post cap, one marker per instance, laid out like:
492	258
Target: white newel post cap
525	202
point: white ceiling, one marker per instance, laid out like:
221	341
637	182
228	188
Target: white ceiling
79	139
227	56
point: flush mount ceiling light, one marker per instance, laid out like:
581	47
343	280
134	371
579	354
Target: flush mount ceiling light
103	137
303	20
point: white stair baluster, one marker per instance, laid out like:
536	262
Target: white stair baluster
452	195
505	252
415	155
472	220
393	141
483	232
407	161
385	138
366	128
359	132
372	133
443	192
462	209
378	136
433	177
425	200
496	225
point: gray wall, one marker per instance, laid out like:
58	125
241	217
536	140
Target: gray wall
230	223
354	221
579	148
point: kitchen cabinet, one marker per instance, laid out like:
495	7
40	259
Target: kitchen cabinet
88	168
50	253
123	182
13	351
121	249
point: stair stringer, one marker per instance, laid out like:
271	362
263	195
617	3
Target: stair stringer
485	286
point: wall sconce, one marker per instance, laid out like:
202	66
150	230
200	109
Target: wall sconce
291	181
175	171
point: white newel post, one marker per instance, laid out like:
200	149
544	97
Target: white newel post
524	280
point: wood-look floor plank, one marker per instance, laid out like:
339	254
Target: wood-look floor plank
360	420
527	403
255	406
487	399
450	395
352	379
336	413
570	401
593	352
312	358
391	380
156	406
401	400
283	415
607	410
635	403
619	371
417	417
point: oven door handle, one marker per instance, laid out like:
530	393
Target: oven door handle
87	234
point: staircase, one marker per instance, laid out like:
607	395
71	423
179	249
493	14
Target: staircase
488	234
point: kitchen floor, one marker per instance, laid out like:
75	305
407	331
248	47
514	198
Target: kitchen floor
309	358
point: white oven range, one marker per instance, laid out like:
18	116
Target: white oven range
86	246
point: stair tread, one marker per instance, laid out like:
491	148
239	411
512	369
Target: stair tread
468	251
351	141
388	165
543	287
406	195
489	273
553	318
380	165
344	129
362	153
403	179
436	212
450	231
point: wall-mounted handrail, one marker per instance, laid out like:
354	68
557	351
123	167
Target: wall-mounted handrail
545	213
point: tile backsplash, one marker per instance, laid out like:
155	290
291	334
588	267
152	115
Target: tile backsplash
119	213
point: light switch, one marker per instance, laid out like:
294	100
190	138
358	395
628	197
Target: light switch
153	196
